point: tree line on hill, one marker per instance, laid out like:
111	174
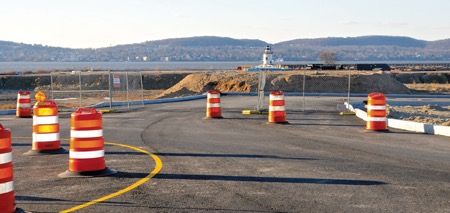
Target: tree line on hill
210	48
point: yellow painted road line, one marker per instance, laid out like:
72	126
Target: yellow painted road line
158	167
155	171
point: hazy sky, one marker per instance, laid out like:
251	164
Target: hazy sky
101	23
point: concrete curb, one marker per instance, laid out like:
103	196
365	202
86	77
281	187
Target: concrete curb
124	103
156	101
402	124
8	112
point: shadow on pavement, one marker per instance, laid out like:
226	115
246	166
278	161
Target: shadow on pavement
270	179
229	156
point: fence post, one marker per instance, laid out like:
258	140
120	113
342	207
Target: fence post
142	89
79	81
349	85
110	92
304	83
261	86
51	84
128	98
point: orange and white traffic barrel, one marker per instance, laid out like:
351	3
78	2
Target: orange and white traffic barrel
376	112
213	109
45	128
23	108
277	111
7	198
86	154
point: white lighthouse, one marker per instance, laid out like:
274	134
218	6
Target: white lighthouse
268	63
267	56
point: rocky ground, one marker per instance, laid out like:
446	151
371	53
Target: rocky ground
439	115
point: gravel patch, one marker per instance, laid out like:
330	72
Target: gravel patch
438	115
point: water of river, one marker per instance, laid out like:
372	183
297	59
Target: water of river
33	66
141	66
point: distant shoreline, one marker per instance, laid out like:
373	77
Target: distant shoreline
162	66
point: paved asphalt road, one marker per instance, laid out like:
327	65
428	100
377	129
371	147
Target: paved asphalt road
320	162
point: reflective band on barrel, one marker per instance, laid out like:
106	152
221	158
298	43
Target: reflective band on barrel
213	95
45	137
276	108
6	187
376	119
276	97
24	105
86	133
24	96
87	154
371	107
209	105
45	120
6	158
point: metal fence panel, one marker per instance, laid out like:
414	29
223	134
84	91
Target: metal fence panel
127	89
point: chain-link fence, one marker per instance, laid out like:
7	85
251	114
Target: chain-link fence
130	89
346	85
93	89
303	83
78	89
126	89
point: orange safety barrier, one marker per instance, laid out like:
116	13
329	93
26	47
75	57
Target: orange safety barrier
277	112
376	112
86	155
23	108
45	128
213	109
7	198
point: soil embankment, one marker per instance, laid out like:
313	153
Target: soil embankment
422	77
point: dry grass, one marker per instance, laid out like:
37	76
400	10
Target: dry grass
8	99
5	106
433	88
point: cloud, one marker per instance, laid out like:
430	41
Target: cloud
391	24
348	23
181	15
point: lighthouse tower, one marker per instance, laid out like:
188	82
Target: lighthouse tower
267	56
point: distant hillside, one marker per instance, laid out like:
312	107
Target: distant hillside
439	45
211	48
367	48
205	41
359	41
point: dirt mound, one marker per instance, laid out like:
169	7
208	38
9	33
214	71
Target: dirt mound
321	82
199	83
378	82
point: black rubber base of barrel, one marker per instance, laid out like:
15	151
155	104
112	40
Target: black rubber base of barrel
98	173
377	131
209	118
25	116
283	123
46	152
19	210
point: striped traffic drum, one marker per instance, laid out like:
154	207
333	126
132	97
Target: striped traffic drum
86	154
213	109
277	111
45	138
23	108
376	112
7	198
